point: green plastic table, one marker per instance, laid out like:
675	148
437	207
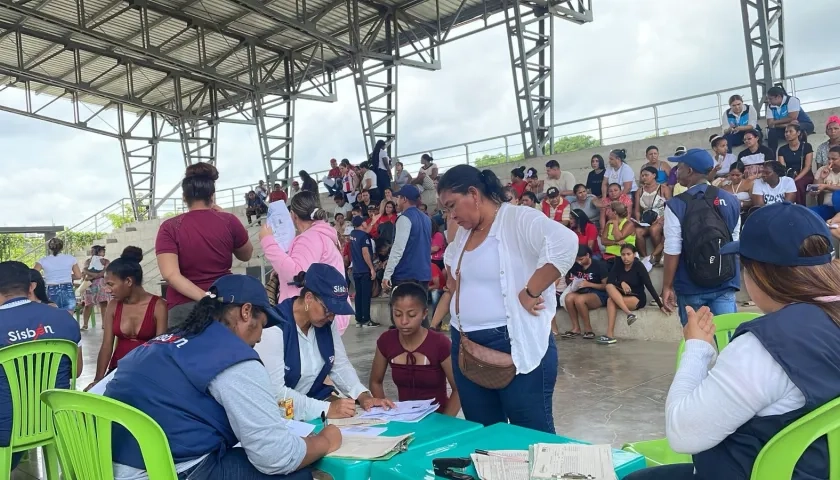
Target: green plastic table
432	430
416	463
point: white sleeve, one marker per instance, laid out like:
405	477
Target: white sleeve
753	117
403	231
673	233
793	105
549	241
450	253
790	185
757	188
272	354
343	373
626	175
736	234
704	407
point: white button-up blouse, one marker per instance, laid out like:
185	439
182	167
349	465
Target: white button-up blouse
527	241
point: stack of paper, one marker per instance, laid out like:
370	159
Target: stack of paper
355	422
411	411
502	465
550	461
371	448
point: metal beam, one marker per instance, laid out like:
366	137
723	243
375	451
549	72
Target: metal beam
139	137
199	134
764	37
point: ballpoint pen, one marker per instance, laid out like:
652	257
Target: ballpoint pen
324	419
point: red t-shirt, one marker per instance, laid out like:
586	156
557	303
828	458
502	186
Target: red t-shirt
440	274
204	241
519	187
334	173
590	234
417	381
278	195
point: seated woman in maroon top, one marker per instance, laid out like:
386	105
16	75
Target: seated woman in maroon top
133	317
420	360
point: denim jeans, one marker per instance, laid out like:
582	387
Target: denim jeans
434	298
734	140
525	402
683	471
718	302
234	465
63	296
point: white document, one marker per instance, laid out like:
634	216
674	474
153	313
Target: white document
368	448
551	461
362	431
301	429
281	224
498	468
354	421
99	388
411	411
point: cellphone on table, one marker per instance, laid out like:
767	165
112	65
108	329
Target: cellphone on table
812	188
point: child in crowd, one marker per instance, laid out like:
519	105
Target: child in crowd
420	359
364	273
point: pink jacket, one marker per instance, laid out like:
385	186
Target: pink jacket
318	244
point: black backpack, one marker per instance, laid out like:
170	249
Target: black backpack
704	232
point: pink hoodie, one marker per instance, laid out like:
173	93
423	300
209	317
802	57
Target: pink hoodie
318	244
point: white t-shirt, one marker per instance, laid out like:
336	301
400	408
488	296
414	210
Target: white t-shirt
58	269
774	194
623	174
344	209
384	161
725	163
565	182
369	175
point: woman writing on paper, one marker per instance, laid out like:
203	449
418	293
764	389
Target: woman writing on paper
306	347
776	369
316	242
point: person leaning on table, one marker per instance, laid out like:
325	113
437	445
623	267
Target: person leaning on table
203	383
305	348
777	368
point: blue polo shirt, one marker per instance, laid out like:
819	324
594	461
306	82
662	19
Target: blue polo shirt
22	321
359	241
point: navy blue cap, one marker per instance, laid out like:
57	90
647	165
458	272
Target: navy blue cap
330	286
410	192
698	159
242	289
774	233
358	221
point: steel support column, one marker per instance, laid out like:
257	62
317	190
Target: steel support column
199	133
139	137
764	37
275	117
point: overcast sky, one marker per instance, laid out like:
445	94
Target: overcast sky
634	53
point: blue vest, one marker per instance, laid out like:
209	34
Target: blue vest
291	352
804	341
730	210
781	112
739	121
24	321
416	263
168	379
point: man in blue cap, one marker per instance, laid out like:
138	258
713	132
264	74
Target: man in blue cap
697	223
411	255
203	383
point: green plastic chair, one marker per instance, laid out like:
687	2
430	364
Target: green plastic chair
658	452
778	458
31	368
83	436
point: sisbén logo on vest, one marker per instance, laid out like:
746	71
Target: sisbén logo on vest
29	334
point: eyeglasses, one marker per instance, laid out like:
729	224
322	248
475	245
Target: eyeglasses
327	312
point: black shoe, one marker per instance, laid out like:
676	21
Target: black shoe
372	324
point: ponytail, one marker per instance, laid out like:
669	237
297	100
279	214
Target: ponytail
620	154
299	281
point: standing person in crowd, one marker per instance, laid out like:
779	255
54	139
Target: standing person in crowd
306	348
277	194
828	189
832	130
194	249
401	175
697	223
427	174
737	184
18	314
316	242
774	186
662	167
776	368
586	232
617	231
595	178
625	287
369	183
361	255
650	210
95	295
528	200
738	119
590	295
60	269
510	258
797	156
309	183
411	252
38	289
723	159
133	318
381	166
555	206
621	173
214	395
333	179
563	181
589	203
420	359
254	207
754	155
784	110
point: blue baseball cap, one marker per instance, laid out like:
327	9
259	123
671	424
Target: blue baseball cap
774	233
330	286
410	192
698	159
242	289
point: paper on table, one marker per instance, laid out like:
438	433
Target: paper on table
363	431
301	429
281	224
355	421
368	448
496	468
551	461
99	388
410	411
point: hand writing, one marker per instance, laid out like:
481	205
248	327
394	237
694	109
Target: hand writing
369	402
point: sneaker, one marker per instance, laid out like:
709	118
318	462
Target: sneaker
631	319
359	325
373	324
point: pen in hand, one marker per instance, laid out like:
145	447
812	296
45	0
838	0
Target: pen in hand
324	419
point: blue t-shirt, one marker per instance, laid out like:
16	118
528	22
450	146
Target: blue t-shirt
24	321
359	240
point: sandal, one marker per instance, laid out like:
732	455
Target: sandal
631	319
605	340
569	334
588	335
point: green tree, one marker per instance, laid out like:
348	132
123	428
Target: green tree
563	145
118	220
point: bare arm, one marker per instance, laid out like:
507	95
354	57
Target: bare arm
757	200
107	348
637	207
244	252
625	189
628	229
77	274
171	272
454	404
161	317
790	197
377	375
38	267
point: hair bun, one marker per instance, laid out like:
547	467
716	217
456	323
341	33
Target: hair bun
202	169
132	254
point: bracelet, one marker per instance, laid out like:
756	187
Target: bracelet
528	292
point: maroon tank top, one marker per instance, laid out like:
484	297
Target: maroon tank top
416	381
127	343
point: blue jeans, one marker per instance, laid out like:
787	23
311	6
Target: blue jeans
684	471
63	296
525	402
734	140
434	297
718	302
234	465
828	211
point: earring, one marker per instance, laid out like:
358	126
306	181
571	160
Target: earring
306	307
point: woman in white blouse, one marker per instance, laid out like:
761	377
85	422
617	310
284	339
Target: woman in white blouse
506	259
619	172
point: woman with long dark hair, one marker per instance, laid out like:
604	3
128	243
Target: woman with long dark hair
196	248
60	269
38	289
510	258
776	368
381	166
797	155
595	178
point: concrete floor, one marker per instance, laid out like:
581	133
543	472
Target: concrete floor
604	394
